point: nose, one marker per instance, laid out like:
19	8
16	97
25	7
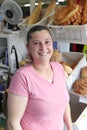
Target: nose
42	46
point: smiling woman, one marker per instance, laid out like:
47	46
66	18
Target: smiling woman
40	43
37	99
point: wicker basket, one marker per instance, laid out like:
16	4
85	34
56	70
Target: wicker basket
69	33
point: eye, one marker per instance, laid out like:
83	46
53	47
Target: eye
35	43
48	42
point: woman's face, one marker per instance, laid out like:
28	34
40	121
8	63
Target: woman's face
40	46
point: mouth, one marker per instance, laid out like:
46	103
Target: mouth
43	53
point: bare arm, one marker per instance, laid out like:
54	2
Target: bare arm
16	106
67	117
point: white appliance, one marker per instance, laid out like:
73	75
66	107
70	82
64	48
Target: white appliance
11	12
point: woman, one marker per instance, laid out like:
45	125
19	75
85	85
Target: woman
38	99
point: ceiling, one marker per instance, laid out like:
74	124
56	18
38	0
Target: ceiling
22	2
26	10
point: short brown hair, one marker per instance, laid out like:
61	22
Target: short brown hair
36	28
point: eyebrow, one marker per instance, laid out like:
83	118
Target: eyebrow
39	40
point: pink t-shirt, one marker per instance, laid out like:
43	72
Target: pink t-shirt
46	101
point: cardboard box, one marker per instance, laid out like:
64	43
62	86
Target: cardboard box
71	58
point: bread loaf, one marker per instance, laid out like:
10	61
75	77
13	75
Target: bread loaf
57	56
34	17
84	17
67	67
83	72
50	8
80	86
71	2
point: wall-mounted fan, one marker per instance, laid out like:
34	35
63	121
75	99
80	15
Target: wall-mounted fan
11	12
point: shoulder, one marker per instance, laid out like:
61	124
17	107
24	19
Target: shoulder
22	73
56	65
24	70
57	68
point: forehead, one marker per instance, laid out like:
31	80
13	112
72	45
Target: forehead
42	33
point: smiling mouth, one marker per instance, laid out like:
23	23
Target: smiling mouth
43	53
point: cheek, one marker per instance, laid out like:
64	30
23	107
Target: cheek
32	51
51	48
29	48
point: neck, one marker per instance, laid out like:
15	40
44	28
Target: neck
44	66
45	71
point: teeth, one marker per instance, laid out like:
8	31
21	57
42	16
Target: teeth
43	54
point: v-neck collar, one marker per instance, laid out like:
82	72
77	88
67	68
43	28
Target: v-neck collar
40	77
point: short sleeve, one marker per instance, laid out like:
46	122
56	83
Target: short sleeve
18	85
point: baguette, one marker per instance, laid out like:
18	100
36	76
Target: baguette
35	16
71	2
84	17
49	9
